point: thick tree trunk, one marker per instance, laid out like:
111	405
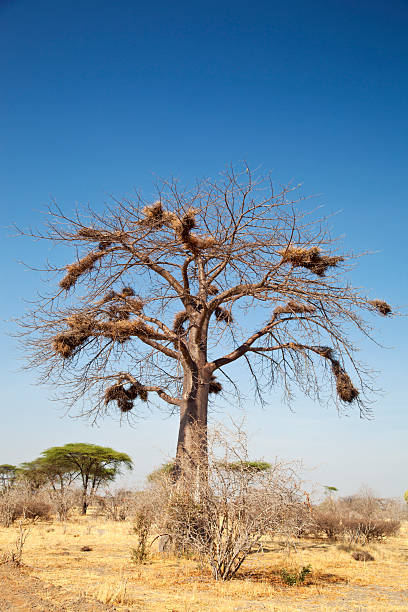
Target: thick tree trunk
192	446
192	450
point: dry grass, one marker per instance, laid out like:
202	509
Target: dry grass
105	573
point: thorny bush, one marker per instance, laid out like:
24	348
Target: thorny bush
224	519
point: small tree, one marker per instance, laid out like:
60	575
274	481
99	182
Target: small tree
167	469
33	473
94	465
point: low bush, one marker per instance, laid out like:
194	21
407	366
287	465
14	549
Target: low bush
219	514
19	502
296	577
32	509
356	519
117	506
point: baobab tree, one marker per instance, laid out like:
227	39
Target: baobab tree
165	294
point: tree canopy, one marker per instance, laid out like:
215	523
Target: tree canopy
166	293
93	464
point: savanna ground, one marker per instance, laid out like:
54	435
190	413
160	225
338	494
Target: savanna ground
57	575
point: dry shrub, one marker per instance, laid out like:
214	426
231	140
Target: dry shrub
118	505
357	519
20	502
15	555
221	518
363	530
311	259
144	515
33	509
8	503
362	555
62	501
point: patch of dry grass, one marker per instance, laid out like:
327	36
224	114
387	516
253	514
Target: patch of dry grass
105	573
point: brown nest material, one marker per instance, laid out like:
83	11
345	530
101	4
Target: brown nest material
90	233
127	292
135	304
104	244
324	351
75	270
80	323
118	312
111	295
123	330
345	388
125	397
294	307
66	343
81	328
182	228
128	303
311	259
212	290
223	315
179	320
381	306
198	243
155	216
214	386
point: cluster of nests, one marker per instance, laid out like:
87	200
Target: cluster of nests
294	307
345	388
87	263
123	304
311	259
81	327
125	397
156	217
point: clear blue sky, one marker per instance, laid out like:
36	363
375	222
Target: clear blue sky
98	97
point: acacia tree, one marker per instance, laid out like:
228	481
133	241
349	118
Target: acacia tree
94	465
164	296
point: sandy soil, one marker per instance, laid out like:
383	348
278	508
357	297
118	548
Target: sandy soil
58	575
